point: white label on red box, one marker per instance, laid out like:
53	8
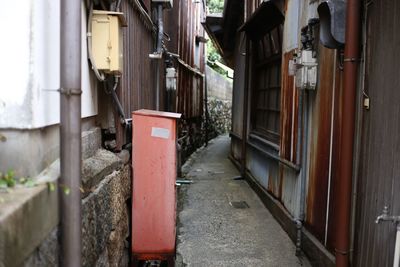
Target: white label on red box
160	132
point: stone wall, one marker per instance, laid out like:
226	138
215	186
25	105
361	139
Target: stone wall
105	223
219	90
106	197
218	86
105	212
220	113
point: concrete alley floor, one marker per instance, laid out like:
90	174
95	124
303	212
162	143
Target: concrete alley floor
212	232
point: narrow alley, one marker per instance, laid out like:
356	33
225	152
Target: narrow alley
222	222
204	133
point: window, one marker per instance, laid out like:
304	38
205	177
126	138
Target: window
266	85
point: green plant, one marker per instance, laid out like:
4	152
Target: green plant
212	52
215	6
8	180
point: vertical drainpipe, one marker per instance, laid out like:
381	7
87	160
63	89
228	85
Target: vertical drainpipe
245	107
206	107
70	133
351	61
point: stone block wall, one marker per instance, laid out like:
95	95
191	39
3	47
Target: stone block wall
106	186
105	223
219	90
220	113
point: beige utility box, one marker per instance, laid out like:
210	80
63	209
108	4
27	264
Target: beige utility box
107	49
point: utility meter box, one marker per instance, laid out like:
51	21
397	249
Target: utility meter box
305	70
154	161
107	47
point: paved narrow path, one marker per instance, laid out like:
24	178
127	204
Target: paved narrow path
212	232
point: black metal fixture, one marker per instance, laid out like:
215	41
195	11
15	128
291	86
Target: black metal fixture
332	14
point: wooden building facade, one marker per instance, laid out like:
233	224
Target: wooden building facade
288	141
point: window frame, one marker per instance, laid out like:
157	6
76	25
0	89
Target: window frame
266	62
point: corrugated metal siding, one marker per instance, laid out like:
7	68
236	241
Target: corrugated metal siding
283	182
320	154
379	170
137	87
190	86
289	113
279	180
138	83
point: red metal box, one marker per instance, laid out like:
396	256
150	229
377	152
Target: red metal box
153	191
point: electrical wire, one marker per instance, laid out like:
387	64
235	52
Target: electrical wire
145	15
100	76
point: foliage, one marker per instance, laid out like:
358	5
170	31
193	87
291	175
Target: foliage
212	56
8	180
215	6
212	52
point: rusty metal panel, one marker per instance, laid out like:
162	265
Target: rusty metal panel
280	181
264	170
379	168
335	157
320	152
289	112
290	183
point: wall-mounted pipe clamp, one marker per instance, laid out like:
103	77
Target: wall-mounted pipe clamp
70	91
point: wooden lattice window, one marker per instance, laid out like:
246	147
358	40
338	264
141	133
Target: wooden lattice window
266	85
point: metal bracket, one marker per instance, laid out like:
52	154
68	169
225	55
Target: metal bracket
70	91
352	59
342	252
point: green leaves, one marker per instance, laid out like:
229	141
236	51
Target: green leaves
30	183
212	53
8	181
51	186
3	184
215	6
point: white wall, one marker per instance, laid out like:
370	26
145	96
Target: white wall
30	68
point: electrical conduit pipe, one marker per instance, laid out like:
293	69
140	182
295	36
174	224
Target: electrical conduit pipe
396	260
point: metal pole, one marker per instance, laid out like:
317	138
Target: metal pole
70	133
351	61
159	51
